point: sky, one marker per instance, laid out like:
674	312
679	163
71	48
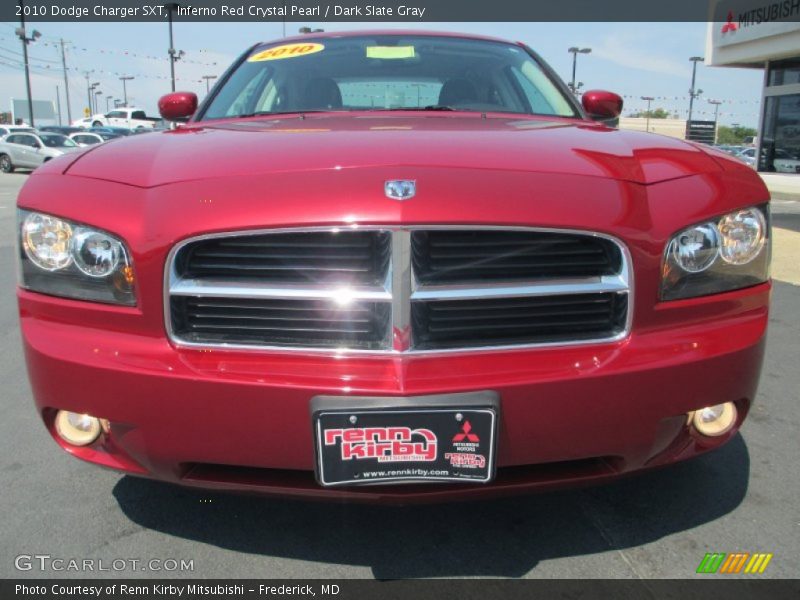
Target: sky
631	59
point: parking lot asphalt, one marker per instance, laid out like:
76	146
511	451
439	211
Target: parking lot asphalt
742	497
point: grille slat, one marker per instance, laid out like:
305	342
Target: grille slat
474	289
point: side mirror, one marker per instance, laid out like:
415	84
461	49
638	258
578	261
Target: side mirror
602	105
177	105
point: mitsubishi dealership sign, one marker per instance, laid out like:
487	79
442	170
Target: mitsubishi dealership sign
749	32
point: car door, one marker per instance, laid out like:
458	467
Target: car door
20	150
116	118
33	151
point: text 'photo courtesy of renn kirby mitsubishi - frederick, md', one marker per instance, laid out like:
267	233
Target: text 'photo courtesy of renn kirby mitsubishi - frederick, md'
411	299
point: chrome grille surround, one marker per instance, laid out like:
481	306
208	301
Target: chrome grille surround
399	288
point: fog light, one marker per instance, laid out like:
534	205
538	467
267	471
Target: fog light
77	429
715	420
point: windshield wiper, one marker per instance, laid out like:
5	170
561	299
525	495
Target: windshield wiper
431	107
269	113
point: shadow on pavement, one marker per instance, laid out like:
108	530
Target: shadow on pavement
502	538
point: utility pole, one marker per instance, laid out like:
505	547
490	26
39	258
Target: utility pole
66	82
716	104
693	93
123	79
649	100
58	104
22	35
208	78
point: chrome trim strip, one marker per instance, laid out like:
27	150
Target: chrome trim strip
590	285
226	289
400	277
401	291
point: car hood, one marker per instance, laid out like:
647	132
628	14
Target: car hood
346	141
60	151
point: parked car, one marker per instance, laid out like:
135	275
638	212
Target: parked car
393	258
63	130
30	150
786	162
89	138
6	129
128	118
118	131
748	155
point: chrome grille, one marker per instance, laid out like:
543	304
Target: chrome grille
384	289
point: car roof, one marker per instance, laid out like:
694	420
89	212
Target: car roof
385	32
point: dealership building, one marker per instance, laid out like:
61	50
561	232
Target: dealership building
760	34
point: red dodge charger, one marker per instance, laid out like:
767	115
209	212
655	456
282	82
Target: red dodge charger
393	266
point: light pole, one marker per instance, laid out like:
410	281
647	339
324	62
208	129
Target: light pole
575	51
108	100
716	104
208	78
647	114
124	79
693	93
97	95
90	91
21	34
174	55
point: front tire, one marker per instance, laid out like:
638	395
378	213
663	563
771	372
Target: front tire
6	166
97	124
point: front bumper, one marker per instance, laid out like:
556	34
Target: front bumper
242	420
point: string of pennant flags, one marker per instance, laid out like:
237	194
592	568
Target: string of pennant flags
120	52
58	69
686	98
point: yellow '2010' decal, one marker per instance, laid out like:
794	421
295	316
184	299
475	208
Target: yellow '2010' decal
286	51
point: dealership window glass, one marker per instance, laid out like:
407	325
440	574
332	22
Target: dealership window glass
784	72
389	73
780	148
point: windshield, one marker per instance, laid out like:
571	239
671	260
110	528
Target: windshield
56	140
389	72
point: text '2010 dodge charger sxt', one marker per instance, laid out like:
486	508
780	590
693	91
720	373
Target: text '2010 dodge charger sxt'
393	258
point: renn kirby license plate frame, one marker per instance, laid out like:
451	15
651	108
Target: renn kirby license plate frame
369	440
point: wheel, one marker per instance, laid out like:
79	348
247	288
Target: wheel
6	165
97	124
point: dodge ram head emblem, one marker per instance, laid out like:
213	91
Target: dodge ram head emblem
400	189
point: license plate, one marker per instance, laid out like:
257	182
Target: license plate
445	438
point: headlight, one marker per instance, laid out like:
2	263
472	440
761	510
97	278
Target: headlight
725	254
46	241
64	258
